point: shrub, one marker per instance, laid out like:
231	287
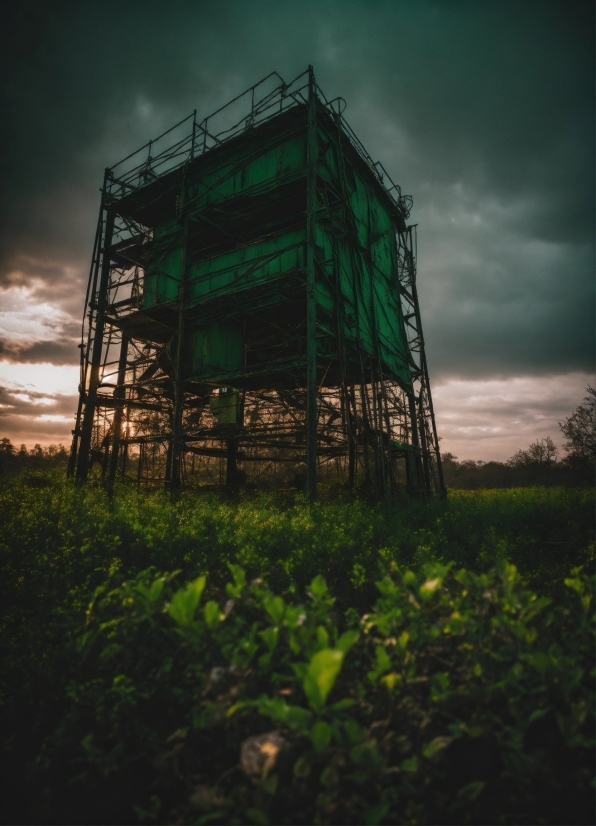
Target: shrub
202	660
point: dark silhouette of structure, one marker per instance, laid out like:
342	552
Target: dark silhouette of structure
252	306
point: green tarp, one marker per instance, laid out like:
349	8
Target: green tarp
355	249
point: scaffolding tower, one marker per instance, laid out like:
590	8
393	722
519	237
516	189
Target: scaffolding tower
252	312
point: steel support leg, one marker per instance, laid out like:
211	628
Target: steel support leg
118	412
231	475
94	378
311	318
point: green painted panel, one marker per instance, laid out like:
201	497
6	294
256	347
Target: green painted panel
241	268
219	181
225	406
235	176
213	350
357	270
361	270
162	276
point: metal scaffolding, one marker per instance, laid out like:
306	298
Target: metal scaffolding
252	314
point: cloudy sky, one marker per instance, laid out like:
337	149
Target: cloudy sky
482	111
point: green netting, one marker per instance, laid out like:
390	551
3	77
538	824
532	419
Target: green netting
244	267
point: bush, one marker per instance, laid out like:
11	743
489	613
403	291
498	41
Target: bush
461	697
279	664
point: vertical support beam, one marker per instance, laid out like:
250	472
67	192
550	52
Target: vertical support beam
101	300
140	464
91	285
173	469
424	370
351	461
423	442
194	132
231	476
311	309
72	459
413	465
174	465
352	434
118	412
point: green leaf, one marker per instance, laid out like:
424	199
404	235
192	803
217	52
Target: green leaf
391	680
236	589
375	814
536	715
353	731
386	586
347	640
540	661
270	784
471	791
156	589
428	588
410	765
343	704
153	592
322	637
383	660
318	587
212	613
237	707
293	716
294	616
257	816
275	607
409	578
270	636
302	767
435	746
300	670
321	674
185	601
383	664
320	736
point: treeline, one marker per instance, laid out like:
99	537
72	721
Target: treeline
13	460
541	463
538	465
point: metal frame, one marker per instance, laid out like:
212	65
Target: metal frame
140	417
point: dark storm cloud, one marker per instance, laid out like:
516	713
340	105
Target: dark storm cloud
54	352
483	111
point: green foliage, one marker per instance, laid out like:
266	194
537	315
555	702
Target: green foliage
343	664
185	601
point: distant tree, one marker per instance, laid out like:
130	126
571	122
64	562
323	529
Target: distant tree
579	429
6	447
53	451
7	455
38	457
541	455
469	474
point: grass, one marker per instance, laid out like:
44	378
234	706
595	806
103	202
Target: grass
414	663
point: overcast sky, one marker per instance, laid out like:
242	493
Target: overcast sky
483	111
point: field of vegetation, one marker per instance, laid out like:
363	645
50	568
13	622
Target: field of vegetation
254	660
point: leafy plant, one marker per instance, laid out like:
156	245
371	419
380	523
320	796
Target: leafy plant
343	664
